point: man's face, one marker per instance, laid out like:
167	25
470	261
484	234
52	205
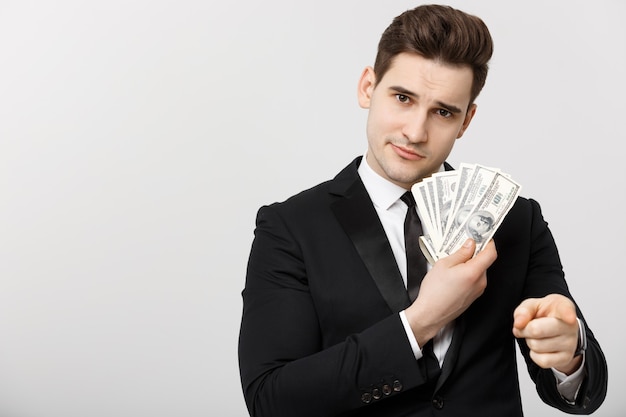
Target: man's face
416	112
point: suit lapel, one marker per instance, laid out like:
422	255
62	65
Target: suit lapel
356	214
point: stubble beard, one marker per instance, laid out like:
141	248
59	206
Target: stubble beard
401	172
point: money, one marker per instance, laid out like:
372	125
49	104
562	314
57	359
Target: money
453	206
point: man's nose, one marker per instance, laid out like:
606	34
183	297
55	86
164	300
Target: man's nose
416	128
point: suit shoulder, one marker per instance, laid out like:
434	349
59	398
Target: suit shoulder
306	198
526	207
320	195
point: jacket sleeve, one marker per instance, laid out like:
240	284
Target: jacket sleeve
544	266
285	371
593	389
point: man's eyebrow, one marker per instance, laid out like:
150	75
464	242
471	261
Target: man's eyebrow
449	107
401	90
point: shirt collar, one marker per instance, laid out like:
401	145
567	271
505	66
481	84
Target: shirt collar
382	192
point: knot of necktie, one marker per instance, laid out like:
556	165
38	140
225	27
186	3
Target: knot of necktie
408	199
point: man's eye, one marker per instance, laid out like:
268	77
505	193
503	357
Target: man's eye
402	98
445	113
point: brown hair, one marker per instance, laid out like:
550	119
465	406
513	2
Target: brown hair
439	33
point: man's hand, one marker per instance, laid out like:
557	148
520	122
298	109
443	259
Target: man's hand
449	288
550	328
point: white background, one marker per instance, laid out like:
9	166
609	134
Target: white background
138	139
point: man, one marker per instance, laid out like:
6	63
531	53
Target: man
328	326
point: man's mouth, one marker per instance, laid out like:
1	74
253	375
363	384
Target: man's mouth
406	153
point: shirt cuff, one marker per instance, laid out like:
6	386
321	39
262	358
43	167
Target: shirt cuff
569	385
409	334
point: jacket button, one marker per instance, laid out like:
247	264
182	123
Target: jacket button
366	397
386	389
438	402
397	386
376	394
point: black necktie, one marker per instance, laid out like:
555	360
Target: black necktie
416	269
415	260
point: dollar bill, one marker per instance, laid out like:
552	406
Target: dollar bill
464	173
473	189
424	209
470	202
484	218
445	191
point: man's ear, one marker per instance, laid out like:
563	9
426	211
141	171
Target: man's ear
468	118
366	87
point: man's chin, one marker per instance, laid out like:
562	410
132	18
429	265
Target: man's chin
407	181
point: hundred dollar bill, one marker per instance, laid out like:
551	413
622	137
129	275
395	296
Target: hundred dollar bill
464	174
471	202
445	190
424	208
486	215
430	195
477	184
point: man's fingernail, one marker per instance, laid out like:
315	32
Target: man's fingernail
467	243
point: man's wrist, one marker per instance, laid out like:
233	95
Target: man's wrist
417	351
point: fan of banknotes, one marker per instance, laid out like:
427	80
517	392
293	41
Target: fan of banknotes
470	202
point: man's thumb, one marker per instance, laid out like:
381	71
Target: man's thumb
463	254
524	313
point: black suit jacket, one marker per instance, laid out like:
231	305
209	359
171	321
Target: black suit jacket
321	334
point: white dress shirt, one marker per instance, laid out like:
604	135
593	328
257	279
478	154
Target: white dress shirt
391	211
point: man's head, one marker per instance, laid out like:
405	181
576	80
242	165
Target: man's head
431	65
439	33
